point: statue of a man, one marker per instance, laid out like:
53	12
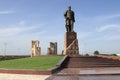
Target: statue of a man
69	16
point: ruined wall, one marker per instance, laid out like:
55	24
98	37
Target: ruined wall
35	50
52	50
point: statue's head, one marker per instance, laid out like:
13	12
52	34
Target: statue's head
69	8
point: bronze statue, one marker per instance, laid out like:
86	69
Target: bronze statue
69	16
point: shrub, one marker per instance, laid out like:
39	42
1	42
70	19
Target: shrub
96	53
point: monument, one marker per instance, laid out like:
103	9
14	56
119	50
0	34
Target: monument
70	39
35	50
53	49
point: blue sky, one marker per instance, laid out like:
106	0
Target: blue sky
97	25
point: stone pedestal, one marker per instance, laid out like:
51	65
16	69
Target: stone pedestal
71	44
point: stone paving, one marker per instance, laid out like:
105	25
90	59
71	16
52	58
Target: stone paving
106	70
102	77
22	77
87	74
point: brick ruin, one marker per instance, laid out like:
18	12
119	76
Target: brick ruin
52	50
35	49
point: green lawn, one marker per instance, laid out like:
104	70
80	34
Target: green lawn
39	63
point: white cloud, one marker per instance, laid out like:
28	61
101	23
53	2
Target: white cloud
108	27
9	31
97	19
7	12
106	17
20	36
22	22
83	35
20	27
111	37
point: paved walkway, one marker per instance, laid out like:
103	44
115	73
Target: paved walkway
22	77
107	70
111	73
103	77
69	74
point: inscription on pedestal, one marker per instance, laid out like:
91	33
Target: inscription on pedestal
70	37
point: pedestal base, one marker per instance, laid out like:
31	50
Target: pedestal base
71	44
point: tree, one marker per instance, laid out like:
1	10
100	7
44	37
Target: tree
86	54
96	53
114	55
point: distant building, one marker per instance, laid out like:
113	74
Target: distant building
52	50
35	50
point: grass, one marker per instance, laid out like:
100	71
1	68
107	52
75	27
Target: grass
39	63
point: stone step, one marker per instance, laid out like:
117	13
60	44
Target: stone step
92	66
90	61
